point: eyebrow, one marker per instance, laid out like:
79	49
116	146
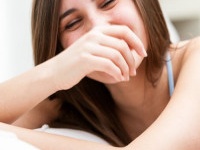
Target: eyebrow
68	12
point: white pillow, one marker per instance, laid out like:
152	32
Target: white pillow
78	134
9	141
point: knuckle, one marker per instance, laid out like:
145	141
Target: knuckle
125	28
123	45
84	57
109	65
116	56
86	47
86	62
126	69
92	35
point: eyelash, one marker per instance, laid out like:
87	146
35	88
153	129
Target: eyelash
73	23
106	3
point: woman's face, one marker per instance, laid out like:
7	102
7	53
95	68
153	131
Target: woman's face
77	17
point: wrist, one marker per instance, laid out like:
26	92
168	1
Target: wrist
46	77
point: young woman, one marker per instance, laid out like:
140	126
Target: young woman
109	87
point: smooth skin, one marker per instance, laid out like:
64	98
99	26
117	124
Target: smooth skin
161	122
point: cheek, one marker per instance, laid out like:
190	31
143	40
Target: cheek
143	37
134	22
70	38
131	18
141	33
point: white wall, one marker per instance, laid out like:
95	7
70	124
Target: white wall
15	38
185	14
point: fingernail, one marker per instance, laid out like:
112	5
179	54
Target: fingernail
127	78
135	72
123	78
132	73
145	52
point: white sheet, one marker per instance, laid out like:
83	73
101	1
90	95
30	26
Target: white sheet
9	141
78	134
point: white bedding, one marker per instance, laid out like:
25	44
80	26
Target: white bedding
9	141
78	134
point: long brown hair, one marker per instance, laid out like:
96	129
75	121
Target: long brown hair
89	105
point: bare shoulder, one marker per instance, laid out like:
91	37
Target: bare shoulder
187	46
191	53
192	46
184	51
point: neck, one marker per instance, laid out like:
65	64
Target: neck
130	94
138	102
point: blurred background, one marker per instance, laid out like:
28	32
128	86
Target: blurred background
183	18
15	38
185	15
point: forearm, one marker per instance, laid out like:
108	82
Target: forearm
49	141
24	92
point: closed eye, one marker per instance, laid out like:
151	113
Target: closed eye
107	4
74	24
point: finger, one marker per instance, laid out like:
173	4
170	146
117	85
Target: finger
138	59
105	65
125	33
122	47
113	55
102	77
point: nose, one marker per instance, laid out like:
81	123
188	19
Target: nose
97	19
